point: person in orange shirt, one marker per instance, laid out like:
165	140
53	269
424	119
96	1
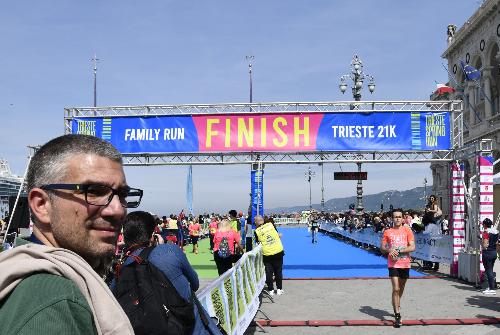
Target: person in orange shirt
397	243
194	233
212	228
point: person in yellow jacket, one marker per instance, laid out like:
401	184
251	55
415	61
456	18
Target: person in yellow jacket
273	252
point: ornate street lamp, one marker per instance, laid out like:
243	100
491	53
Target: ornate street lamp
358	77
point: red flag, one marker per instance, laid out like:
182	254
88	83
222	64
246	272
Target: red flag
443	89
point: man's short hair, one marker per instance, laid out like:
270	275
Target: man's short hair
397	210
138	228
233	213
49	163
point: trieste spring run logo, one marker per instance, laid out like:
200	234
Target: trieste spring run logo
434	128
86	127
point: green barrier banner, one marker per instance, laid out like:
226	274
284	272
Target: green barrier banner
234	297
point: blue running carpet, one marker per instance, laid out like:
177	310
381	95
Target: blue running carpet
329	258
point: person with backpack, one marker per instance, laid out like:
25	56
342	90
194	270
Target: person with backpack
226	241
155	284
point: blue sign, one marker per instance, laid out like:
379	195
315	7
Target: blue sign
257	184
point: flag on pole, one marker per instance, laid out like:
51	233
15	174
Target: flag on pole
470	72
442	89
189	190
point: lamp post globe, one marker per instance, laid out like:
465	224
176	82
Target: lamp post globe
357	76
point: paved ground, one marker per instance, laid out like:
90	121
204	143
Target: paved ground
427	330
203	262
370	300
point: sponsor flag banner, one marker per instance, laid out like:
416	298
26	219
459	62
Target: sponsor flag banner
457	213
257	193
234	297
485	188
273	132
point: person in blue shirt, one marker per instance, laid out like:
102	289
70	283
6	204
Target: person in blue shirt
138	232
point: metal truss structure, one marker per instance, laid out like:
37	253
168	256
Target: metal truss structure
144	159
286	158
272	107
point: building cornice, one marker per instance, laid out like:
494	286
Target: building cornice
487	9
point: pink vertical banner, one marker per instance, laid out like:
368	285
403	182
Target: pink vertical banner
485	188
485	193
457	213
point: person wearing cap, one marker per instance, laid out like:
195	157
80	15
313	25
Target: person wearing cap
272	252
490	241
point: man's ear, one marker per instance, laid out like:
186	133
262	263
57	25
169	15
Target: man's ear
40	205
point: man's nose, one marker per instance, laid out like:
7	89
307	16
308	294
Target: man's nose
115	208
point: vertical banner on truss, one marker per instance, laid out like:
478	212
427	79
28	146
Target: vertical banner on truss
457	213
485	188
257	181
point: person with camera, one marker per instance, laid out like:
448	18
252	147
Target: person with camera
432	221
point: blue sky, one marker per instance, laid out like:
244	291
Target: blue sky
172	52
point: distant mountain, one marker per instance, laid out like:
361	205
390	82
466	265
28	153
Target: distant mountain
409	199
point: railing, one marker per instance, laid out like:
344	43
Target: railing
286	221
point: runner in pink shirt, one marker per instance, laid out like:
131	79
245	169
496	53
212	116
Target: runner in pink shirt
397	243
226	240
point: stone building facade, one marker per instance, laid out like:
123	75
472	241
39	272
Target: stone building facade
475	43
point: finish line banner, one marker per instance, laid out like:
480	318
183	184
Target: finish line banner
272	132
234	297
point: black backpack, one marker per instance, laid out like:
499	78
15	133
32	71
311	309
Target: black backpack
149	299
224	251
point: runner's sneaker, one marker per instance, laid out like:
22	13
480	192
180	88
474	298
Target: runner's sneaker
397	320
279	291
489	292
271	293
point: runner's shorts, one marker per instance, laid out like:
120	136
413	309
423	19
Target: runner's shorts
194	239
398	272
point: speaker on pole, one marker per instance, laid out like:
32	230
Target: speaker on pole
21	217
